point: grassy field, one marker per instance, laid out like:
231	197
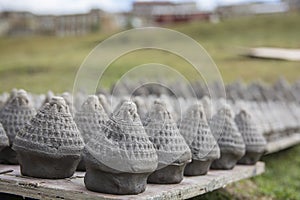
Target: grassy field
41	63
280	181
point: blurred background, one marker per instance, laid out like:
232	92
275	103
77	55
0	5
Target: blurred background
43	43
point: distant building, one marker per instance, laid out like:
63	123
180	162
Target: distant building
26	23
77	24
162	12
254	8
293	4
17	23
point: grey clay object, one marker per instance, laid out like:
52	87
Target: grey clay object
254	141
208	107
69	101
172	150
120	158
13	116
50	144
3	138
81	165
170	174
230	141
12	94
89	120
105	104
195	130
197	168
48	97
141	106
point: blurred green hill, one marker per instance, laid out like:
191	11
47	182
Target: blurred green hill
39	63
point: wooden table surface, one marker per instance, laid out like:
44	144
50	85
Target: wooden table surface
73	188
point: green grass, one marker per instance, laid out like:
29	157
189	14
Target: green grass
41	63
282	177
280	181
223	42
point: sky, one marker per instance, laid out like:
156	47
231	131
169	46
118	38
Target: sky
82	6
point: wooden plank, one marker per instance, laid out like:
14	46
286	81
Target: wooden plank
273	53
73	188
283	143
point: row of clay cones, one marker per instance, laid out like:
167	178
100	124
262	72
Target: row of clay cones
275	118
119	151
256	90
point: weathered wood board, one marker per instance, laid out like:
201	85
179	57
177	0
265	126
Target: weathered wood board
273	53
73	188
283	143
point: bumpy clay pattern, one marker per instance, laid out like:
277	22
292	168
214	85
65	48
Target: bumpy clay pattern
90	118
106	106
208	107
52	131
15	114
255	142
194	128
123	145
3	138
226	132
164	134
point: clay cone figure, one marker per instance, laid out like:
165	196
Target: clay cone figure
3	99
13	116
255	142
208	107
48	97
121	157
103	101
141	106
69	101
204	147
50	144
120	101
89	121
12	94
172	150
3	138
230	141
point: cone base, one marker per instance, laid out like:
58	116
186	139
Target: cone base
227	161
170	174
81	166
8	156
122	183
44	166
250	158
197	168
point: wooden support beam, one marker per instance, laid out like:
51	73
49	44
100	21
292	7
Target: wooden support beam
73	188
283	143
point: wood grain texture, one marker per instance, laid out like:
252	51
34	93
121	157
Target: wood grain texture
73	188
283	143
